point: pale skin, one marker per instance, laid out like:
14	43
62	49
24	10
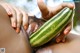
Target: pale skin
20	17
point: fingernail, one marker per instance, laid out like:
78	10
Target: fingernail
13	24
25	27
58	40
17	30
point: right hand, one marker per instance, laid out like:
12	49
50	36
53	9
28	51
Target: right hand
48	12
18	17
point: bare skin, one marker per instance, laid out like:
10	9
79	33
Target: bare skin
70	46
48	12
15	41
9	39
19	17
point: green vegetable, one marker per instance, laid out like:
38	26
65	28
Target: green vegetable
51	28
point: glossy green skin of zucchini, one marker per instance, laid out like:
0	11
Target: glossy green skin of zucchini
51	28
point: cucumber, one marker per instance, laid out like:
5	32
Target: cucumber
51	28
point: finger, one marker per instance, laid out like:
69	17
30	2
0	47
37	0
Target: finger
19	18
61	6
70	5
8	10
43	8
13	17
63	34
60	37
25	19
67	29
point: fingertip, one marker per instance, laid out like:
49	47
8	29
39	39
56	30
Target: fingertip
25	27
71	5
9	13
66	31
17	30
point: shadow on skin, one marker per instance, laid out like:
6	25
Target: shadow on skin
72	45
18	43
9	39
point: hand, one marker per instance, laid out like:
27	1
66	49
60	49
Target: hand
48	12
17	16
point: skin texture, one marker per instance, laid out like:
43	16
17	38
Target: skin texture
70	46
17	43
48	12
20	18
17	16
9	39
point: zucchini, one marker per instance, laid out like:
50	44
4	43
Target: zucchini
51	28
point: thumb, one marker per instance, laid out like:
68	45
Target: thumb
43	8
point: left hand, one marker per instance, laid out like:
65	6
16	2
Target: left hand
17	16
48	12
